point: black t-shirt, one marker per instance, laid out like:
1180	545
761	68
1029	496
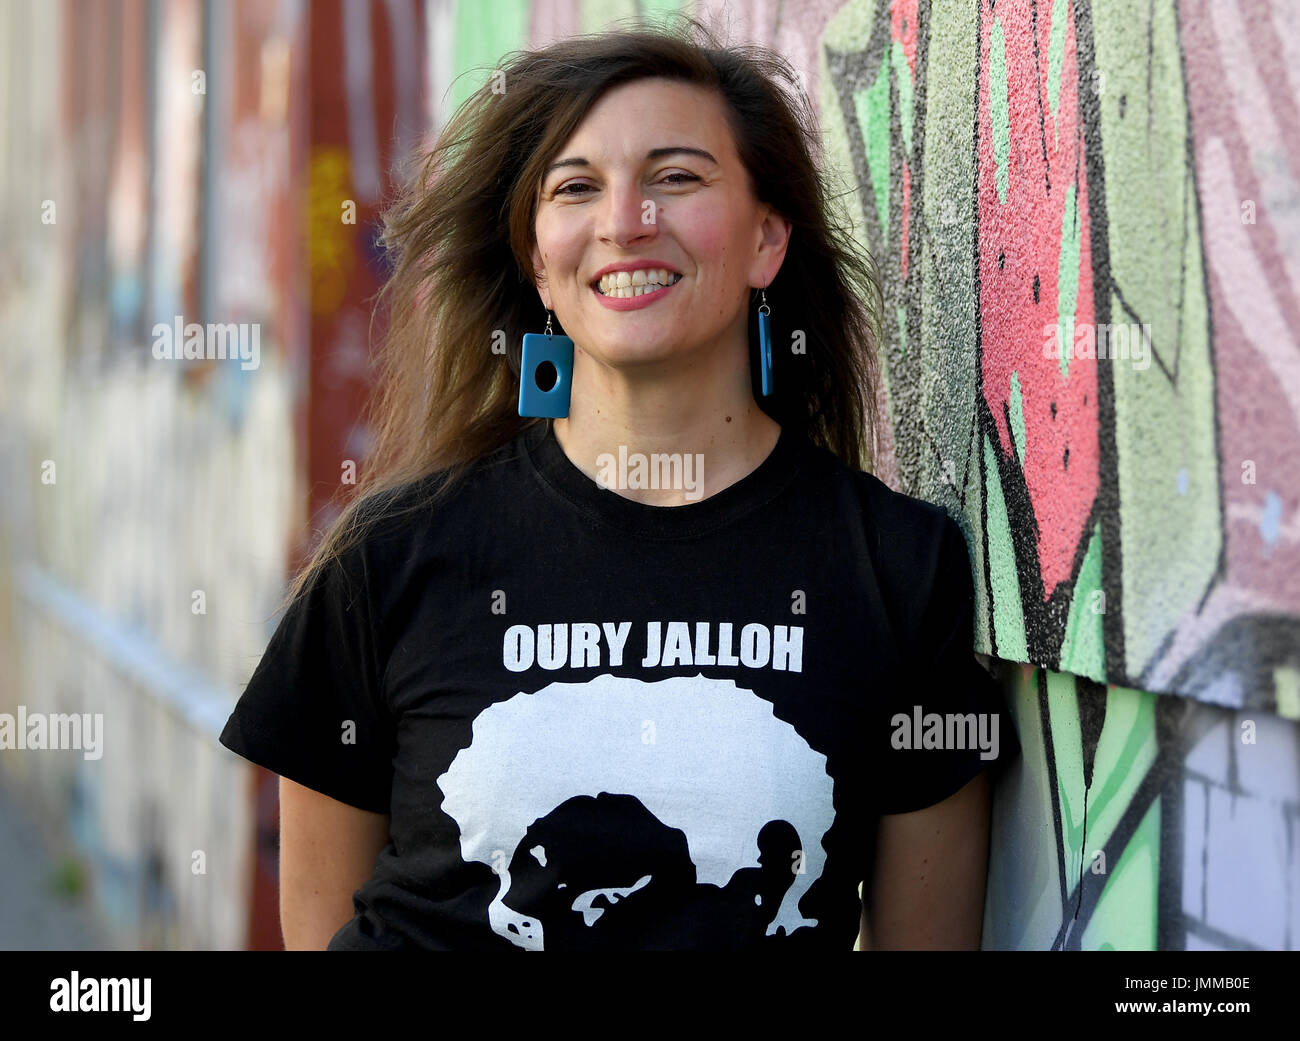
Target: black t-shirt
597	723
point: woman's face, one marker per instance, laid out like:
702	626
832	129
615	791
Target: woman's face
652	174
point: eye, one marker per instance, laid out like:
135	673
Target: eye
567	188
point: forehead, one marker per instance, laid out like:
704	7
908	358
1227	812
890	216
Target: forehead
630	119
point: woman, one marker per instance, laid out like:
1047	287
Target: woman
655	666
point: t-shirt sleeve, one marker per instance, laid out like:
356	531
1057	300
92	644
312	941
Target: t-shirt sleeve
945	721
314	710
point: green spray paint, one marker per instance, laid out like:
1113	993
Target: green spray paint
1083	651
1067	277
1000	108
1008	612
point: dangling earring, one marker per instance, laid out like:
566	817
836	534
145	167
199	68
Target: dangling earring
765	345
539	349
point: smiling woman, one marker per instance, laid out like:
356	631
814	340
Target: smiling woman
605	155
471	762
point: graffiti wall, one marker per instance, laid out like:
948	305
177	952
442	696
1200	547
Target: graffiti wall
1085	215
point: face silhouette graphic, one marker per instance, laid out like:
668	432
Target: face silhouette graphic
631	894
601	839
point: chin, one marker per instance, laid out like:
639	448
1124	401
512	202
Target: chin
632	353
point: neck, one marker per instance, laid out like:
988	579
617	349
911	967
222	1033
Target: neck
699	407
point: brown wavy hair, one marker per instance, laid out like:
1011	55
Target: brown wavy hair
460	236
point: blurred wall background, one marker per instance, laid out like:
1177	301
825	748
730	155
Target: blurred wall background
1015	168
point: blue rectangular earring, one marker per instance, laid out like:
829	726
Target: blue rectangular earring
765	345
544	354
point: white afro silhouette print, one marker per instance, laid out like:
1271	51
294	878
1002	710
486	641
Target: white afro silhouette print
618	813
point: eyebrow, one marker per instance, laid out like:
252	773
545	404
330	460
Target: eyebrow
654	153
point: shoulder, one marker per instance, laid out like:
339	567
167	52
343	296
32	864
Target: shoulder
402	533
904	519
394	518
901	529
388	520
917	552
914	544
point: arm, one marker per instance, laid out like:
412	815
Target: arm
327	850
931	867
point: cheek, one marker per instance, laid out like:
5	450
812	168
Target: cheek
707	239
708	233
560	246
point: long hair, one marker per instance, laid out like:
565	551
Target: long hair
462	291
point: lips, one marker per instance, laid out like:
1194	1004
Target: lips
633	301
626	286
630	266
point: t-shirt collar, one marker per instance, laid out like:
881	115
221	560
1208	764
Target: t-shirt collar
690	519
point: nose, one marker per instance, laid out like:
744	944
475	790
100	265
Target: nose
627	214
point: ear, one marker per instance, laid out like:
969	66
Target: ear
542	289
772	240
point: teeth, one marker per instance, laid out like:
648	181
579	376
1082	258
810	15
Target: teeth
625	284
